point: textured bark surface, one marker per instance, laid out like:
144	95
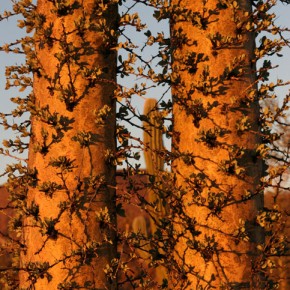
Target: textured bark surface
76	205
228	263
5	217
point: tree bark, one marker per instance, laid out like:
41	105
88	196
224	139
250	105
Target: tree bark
215	134
70	223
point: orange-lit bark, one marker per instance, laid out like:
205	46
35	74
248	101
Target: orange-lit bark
208	114
72	234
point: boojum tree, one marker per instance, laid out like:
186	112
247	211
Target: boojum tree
216	133
68	215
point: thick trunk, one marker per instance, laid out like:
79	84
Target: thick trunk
215	135
69	228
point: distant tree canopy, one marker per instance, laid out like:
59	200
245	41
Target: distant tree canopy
206	211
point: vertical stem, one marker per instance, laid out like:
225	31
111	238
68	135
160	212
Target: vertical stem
70	222
215	134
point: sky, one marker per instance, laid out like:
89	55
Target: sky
9	32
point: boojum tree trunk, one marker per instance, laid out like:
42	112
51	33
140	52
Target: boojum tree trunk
215	135
69	223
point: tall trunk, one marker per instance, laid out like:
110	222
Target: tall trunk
215	135
69	224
